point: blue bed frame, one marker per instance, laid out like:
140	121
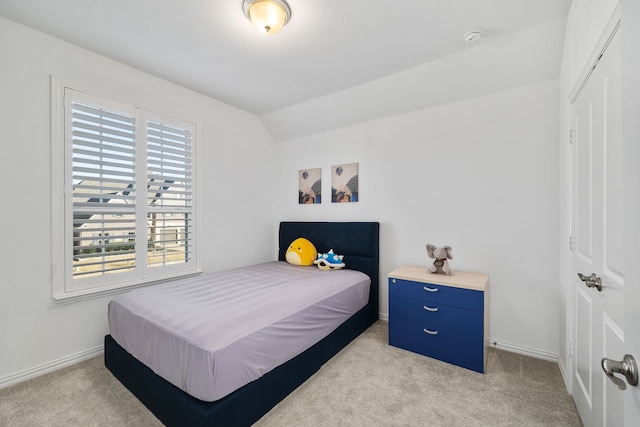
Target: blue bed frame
359	243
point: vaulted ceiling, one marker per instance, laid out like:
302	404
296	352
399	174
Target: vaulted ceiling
336	63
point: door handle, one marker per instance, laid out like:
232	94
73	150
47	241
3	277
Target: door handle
626	367
592	281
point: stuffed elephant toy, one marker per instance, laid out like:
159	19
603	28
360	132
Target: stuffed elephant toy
440	265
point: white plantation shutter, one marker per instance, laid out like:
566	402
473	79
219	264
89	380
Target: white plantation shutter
104	199
169	193
129	196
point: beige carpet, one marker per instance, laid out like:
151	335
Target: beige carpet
369	383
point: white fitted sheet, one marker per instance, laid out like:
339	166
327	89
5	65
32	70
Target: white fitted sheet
213	333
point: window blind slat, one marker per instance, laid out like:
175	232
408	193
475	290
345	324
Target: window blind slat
104	270
105	140
155	128
93	220
169	156
91	111
80	153
102	196
89	260
111	180
183	185
95	131
104	160
99	231
85	114
178	194
160	166
86	185
107	172
105	168
168	176
177	150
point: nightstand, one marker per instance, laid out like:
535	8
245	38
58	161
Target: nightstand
444	317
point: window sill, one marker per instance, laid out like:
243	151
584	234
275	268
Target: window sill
64	298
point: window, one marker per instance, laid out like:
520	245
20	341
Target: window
128	199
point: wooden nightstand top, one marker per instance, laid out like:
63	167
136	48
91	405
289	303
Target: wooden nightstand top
458	279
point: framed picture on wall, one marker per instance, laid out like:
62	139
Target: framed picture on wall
309	186
344	183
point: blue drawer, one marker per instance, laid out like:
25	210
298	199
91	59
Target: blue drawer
457	297
433	314
459	342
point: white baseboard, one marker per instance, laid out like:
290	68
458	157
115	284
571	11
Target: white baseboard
514	348
54	365
526	351
565	375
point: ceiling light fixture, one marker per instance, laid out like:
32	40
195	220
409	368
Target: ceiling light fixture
268	16
472	36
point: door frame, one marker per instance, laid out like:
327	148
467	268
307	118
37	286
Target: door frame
631	150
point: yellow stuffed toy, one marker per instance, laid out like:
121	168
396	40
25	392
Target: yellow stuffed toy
301	252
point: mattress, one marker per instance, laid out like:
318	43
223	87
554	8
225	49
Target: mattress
213	333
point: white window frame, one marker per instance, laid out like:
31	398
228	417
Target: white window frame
64	287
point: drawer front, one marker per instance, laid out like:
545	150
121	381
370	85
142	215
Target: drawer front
432	314
460	344
469	299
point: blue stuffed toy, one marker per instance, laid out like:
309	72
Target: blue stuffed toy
329	261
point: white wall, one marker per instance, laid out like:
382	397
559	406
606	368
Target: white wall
480	175
236	155
585	24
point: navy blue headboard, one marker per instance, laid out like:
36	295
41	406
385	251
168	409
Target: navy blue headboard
357	241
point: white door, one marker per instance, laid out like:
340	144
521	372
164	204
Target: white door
598	235
631	154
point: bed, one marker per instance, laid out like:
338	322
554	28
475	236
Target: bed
359	243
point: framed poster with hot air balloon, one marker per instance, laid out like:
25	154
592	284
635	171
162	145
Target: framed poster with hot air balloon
309	186
344	183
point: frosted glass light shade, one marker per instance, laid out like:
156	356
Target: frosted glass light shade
268	16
